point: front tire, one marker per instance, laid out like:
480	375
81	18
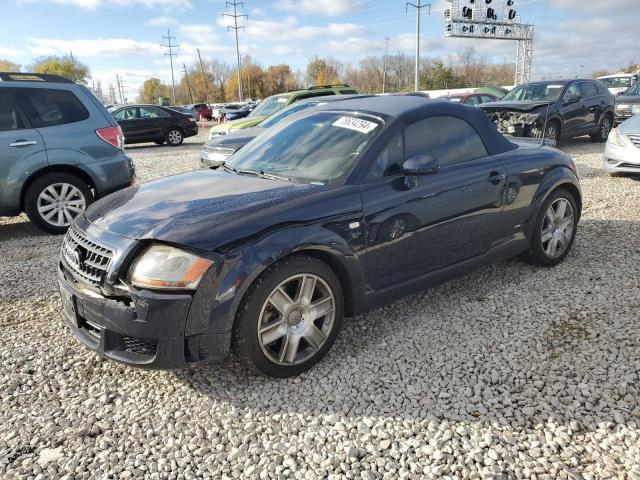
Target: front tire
55	200
175	137
289	318
555	230
603	130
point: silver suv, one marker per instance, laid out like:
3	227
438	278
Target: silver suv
60	149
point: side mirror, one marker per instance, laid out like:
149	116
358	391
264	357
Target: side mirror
420	165
572	99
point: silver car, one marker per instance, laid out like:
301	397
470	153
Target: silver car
622	152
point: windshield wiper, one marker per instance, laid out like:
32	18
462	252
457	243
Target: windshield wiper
272	176
228	168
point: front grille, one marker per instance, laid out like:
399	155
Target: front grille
635	138
141	346
624	110
87	261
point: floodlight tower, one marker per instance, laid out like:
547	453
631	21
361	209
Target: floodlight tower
492	20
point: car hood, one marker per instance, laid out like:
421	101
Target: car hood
235	139
512	106
628	99
630	126
201	207
238	124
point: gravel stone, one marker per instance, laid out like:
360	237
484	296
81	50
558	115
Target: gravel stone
509	372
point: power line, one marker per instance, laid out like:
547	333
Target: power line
235	27
418	8
186	75
204	77
170	54
384	64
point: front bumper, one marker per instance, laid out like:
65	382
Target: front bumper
621	159
145	329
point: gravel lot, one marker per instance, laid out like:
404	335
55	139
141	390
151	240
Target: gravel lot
509	372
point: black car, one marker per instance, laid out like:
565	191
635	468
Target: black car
151	123
235	114
628	104
568	108
337	210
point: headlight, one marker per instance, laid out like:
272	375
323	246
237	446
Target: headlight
615	138
162	266
622	106
635	109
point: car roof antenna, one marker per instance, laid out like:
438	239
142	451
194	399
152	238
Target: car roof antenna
544	127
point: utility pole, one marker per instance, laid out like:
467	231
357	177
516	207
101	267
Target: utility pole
581	69
186	74
204	78
119	80
384	64
170	54
235	27
418	8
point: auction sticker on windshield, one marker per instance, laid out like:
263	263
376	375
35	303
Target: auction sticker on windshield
357	124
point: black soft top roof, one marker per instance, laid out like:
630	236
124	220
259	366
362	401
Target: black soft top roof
409	109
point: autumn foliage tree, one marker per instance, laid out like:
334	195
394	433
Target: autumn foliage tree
153	90
65	66
7	66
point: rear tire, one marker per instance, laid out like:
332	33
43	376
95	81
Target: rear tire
175	137
606	124
555	229
289	318
53	201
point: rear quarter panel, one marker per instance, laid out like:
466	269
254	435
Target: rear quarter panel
533	173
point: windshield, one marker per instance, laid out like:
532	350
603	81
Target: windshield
635	90
270	105
534	92
285	112
316	148
616	82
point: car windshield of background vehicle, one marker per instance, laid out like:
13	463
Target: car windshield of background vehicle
635	90
270	106
617	82
533	93
455	99
317	148
284	113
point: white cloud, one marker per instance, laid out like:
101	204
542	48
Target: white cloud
288	29
322	7
163	21
9	52
94	4
112	47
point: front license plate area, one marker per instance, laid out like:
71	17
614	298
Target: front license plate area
69	307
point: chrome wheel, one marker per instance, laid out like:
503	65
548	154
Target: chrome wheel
60	203
605	128
557	228
552	132
296	319
174	137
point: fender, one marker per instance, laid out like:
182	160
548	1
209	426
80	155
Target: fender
221	297
555	178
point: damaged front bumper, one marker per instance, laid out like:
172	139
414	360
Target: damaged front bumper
518	124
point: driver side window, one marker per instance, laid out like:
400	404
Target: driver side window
126	114
572	92
389	160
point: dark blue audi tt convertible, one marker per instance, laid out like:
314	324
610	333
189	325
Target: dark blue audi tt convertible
333	212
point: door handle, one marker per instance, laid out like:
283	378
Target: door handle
496	177
23	143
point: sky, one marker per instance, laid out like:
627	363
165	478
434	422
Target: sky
123	36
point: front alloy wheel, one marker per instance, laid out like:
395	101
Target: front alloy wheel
289	318
604	130
296	319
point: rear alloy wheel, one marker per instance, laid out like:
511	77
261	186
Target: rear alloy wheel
55	200
175	137
289	318
603	131
555	229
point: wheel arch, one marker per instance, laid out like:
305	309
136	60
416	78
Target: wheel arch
59	168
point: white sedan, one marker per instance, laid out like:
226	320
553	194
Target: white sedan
622	152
